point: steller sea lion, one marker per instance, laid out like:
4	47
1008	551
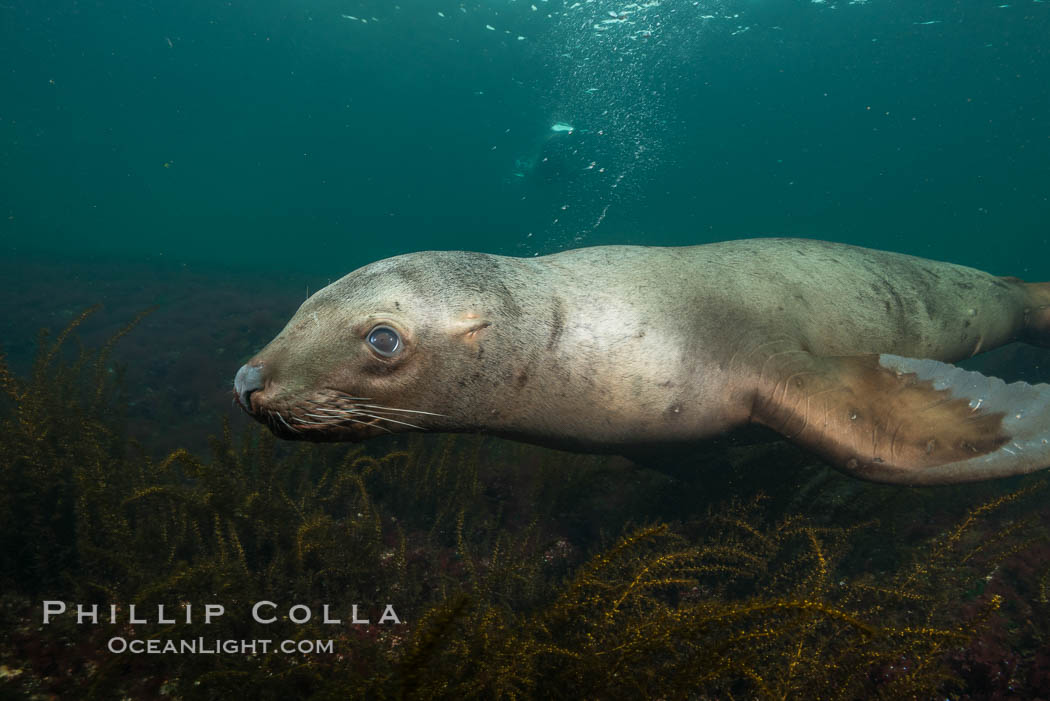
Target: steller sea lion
842	350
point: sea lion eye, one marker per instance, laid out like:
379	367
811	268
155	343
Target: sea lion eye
384	341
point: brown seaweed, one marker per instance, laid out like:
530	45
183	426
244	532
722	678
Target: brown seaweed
502	594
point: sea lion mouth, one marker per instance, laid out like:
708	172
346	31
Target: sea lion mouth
331	415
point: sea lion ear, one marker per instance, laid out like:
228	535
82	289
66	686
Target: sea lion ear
470	326
900	420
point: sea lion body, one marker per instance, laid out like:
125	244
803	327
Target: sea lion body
621	348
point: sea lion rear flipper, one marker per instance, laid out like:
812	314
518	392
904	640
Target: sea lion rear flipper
900	420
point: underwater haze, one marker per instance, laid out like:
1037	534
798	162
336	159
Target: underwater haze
177	177
318	136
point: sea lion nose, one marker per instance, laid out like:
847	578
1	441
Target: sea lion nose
249	378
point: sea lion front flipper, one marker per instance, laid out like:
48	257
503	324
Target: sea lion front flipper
887	418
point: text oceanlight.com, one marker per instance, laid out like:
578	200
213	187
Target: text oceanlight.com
203	646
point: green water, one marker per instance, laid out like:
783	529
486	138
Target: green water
285	136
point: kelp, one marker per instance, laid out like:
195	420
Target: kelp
480	550
752	611
61	428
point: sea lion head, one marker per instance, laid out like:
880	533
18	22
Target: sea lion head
401	344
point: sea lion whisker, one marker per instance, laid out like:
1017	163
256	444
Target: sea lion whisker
337	420
319	416
356	411
395	421
361	409
278	415
358	421
409	411
312	423
370	423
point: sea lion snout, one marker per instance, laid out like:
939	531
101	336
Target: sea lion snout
248	379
